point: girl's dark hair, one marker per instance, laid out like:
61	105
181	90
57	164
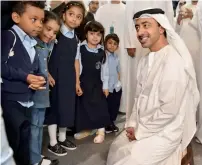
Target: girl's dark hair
49	15
113	37
95	26
73	4
20	6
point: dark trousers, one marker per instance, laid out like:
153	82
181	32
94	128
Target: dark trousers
17	124
114	100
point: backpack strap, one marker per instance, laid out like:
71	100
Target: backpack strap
11	52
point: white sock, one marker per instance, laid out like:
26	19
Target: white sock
101	130
62	134
46	162
52	130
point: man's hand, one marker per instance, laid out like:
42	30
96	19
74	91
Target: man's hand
106	92
130	133
51	80
131	52
79	91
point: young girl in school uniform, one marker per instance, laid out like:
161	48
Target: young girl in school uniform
45	42
62	68
92	85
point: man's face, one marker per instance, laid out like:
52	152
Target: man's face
93	6
148	31
31	21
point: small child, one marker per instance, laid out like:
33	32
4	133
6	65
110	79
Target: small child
62	68
92	85
45	42
21	75
115	91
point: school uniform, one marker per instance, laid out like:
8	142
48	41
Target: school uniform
16	96
92	109
61	67
115	90
41	102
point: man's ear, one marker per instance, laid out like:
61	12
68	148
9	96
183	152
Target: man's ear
15	17
161	30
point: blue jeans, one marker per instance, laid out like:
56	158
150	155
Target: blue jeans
37	120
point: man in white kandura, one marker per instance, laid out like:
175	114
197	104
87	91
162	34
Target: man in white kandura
162	123
188	34
197	24
112	16
135	50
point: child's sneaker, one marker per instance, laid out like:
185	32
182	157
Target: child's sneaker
57	150
115	128
68	145
111	128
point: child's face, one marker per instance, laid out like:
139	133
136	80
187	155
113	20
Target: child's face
73	17
49	31
111	45
93	38
31	21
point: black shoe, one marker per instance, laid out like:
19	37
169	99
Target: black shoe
115	128
57	150
111	128
53	161
68	145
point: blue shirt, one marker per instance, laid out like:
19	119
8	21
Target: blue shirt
66	32
29	43
114	70
104	69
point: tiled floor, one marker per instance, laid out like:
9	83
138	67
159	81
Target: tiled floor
89	153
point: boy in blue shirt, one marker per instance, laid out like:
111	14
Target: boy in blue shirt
115	91
20	74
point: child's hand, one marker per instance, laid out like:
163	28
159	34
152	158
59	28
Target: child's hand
36	82
51	80
36	87
79	91
106	92
33	79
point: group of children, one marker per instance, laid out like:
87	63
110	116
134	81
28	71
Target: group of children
48	74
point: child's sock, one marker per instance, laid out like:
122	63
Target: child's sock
101	130
62	134
52	130
46	162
